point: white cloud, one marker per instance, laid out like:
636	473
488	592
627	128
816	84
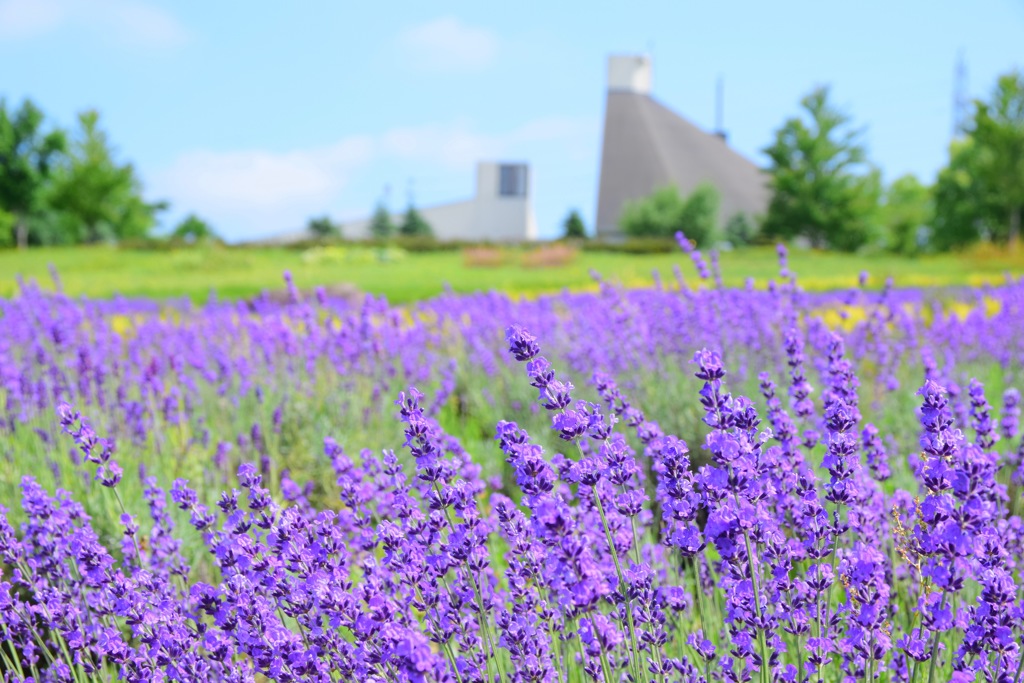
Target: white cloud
448	45
127	21
257	180
458	146
145	24
452	146
553	128
27	18
258	192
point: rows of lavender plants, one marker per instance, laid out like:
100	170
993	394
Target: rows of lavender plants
757	484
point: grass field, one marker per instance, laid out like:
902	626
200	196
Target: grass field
242	272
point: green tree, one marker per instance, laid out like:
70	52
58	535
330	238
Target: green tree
573	226
965	209
699	217
27	158
414	224
96	198
8	222
905	213
998	132
665	212
194	229
381	226
324	227
740	230
822	187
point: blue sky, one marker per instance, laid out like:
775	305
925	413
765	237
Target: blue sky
258	114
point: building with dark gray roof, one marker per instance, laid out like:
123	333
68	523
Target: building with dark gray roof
647	146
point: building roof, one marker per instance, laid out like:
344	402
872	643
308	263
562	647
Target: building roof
647	146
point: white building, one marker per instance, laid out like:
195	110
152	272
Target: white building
501	210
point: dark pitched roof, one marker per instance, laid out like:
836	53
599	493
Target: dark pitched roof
648	146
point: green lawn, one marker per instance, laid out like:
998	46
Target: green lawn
237	272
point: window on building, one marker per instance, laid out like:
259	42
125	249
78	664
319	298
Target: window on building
512	180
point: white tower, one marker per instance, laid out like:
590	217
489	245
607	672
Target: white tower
630	73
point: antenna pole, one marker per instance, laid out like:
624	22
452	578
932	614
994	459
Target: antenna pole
960	100
720	106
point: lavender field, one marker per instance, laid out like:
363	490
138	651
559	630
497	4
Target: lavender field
680	483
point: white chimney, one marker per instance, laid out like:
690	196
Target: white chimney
631	73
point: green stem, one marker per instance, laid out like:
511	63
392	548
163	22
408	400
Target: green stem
446	645
765	666
1020	667
828	598
124	511
700	612
605	668
765	673
634	650
76	669
482	619
15	661
935	643
636	539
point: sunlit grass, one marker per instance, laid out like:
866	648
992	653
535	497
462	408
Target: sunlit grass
241	273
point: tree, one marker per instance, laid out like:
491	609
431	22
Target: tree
96	198
414	224
979	194
8	222
323	227
573	226
194	229
381	226
699	217
998	132
665	212
27	157
965	211
822	187
740	230
906	212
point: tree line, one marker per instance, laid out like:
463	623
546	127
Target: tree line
59	187
67	187
382	226
826	192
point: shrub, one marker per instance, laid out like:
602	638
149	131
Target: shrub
483	257
554	256
194	229
640	245
665	212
